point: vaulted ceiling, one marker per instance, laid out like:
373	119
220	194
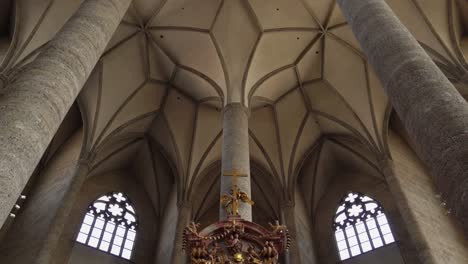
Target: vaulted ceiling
172	65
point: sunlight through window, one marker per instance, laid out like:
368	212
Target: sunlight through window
360	226
110	225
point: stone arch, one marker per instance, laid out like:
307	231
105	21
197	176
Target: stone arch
333	167
148	228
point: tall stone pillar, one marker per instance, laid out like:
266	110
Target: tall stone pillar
434	114
288	219
36	102
235	155
183	219
54	249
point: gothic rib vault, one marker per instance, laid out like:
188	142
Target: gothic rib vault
172	65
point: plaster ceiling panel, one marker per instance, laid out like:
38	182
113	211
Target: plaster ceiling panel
310	65
291	112
131	16
55	18
236	34
180	112
133	128
308	138
256	102
216	103
160	65
106	150
161	133
145	100
146	8
126	63
29	16
187	13
353	159
278	84
213	155
286	47
346	72
437	12
208	126
332	125
336	17
282	14
257	155
121	159
319	8
458	21
6	14
194	85
413	19
460	13
345	33
323	98
123	32
262	124
194	50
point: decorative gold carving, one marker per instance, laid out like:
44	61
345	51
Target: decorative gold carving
235	241
230	202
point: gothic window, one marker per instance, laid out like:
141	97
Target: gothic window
360	226
110	225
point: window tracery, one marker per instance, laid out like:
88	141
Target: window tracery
110	225
360	226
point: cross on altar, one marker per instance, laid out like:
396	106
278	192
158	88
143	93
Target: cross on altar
237	195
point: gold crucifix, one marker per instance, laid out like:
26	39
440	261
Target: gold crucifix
232	200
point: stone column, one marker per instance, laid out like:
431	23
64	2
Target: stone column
288	219
235	154
54	249
40	96
434	114
183	219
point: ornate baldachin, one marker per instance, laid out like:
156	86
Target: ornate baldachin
235	241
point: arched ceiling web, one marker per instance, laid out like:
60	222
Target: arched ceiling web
172	64
332	158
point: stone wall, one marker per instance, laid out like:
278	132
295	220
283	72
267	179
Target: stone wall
304	232
384	255
83	254
168	227
438	237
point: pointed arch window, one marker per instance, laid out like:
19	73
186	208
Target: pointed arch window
110	225
360	226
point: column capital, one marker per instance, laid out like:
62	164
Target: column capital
237	105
